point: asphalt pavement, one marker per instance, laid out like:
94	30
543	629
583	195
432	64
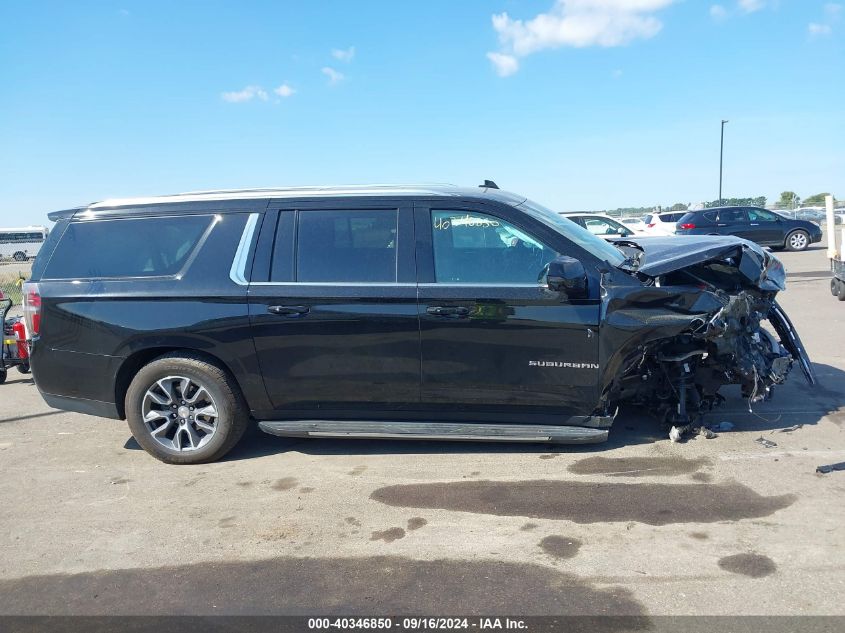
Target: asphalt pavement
639	526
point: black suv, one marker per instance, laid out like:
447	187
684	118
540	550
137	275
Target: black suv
402	312
751	223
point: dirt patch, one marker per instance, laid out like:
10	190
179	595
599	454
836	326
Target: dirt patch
560	546
699	536
306	490
305	586
637	466
358	470
353	521
389	535
285	483
415	523
704	478
752	565
529	526
550	456
588	502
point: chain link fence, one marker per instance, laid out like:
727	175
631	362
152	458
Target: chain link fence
10	282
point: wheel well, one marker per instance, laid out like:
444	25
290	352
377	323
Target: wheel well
133	364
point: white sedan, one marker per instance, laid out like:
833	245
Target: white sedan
603	225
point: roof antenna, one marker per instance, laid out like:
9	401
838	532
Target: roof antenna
489	184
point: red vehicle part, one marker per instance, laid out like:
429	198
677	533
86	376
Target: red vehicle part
20	337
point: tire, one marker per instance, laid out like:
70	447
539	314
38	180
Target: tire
2	376
797	240
24	368
841	294
834	286
19	256
168	435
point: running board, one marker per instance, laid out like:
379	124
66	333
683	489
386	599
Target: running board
455	431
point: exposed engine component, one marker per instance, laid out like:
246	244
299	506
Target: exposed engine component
696	328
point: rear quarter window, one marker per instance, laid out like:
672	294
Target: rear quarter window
138	247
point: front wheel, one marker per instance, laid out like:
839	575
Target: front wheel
834	286
841	293
184	410
20	256
797	241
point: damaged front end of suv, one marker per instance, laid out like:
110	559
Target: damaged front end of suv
688	316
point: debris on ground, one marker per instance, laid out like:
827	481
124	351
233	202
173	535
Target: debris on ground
830	468
676	433
764	442
706	433
722	427
788	429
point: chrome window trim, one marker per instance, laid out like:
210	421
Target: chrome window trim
238	271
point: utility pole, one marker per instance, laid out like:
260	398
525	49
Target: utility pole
721	156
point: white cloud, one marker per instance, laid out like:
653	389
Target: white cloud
344	55
817	29
504	64
575	23
284	91
832	14
247	94
333	75
750	6
718	12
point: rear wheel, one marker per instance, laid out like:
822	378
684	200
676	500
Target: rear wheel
797	240
2	376
24	368
184	410
20	256
841	294
834	286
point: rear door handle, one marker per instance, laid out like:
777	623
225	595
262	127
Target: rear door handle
289	311
455	312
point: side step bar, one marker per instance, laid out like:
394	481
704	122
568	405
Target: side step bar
436	431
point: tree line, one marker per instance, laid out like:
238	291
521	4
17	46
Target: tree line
787	200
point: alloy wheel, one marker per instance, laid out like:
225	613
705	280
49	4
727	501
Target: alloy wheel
179	413
798	241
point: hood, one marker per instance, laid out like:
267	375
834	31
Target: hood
662	255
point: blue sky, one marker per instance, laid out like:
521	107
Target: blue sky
590	104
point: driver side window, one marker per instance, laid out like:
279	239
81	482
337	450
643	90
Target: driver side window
476	248
761	215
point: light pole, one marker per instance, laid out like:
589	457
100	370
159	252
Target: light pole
721	156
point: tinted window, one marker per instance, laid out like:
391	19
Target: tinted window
732	216
761	215
16	238
144	247
474	247
346	246
710	216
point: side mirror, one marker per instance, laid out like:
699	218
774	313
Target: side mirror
567	274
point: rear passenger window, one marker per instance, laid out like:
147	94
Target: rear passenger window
142	247
711	216
346	246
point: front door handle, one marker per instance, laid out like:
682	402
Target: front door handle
289	311
455	312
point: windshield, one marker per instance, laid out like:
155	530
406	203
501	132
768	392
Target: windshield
582	237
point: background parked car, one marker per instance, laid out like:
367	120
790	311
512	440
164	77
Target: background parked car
662	223
634	223
752	223
603	225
